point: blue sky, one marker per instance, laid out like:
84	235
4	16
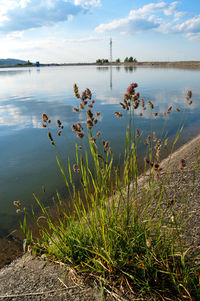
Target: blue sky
64	31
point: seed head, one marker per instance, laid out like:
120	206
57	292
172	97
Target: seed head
75	168
151	105
80	135
74	127
89	123
79	126
17	203
98	133
189	95
177	109
93	140
118	114
137	133
136	104
142	103
77	95
59	123
50	137
154	137
81	106
98	113
105	144
169	109
89	113
59	133
83	95
156	166
75	109
123	105
166	142
88	93
45	117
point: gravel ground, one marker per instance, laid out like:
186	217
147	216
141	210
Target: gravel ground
186	182
29	278
35	279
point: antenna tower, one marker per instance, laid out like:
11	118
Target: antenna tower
111	50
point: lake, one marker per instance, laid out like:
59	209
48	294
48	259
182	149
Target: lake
28	160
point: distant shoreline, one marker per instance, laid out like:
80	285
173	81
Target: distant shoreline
175	64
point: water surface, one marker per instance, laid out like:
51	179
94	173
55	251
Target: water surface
27	157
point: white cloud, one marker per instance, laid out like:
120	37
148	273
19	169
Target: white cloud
136	21
15	35
26	14
87	4
171	8
161	17
141	19
84	40
190	26
149	9
193	36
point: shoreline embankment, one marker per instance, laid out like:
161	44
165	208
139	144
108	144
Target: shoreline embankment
176	64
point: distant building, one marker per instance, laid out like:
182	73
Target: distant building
37	64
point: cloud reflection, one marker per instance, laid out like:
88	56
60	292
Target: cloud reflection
28	114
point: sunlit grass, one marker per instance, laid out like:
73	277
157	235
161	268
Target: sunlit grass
123	230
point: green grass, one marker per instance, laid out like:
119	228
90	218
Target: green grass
119	232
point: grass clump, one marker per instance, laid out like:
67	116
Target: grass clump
123	230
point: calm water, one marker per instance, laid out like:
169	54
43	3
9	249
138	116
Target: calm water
28	159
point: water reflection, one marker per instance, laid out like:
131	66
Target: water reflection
28	159
10	72
130	69
111	84
26	112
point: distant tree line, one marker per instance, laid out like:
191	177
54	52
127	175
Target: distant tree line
102	61
126	60
130	60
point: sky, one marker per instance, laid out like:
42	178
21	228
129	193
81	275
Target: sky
73	31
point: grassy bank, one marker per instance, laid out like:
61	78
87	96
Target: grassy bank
126	231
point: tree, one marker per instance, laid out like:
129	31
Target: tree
130	60
118	61
102	61
29	63
99	61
